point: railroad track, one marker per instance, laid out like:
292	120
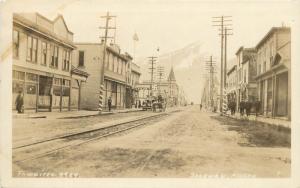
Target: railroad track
49	146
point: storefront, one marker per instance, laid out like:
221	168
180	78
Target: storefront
115	90
41	92
281	108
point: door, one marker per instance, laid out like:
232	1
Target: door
45	84
282	94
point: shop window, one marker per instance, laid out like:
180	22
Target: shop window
31	89
57	81
18	86
66	91
66	83
56	90
81	58
44	53
18	75
31	77
113	86
16	42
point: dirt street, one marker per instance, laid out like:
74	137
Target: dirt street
186	144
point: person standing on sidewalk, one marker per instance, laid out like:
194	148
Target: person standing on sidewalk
200	107
19	102
247	107
257	107
109	103
242	107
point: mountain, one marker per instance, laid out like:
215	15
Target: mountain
189	68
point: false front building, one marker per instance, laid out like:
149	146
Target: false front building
116	75
42	64
273	72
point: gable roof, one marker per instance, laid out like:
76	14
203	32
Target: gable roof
59	16
270	33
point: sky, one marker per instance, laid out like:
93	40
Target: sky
167	25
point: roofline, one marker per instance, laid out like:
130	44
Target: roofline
55	38
231	70
61	16
86	43
271	32
240	49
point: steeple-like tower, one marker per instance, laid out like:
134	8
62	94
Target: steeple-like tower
171	77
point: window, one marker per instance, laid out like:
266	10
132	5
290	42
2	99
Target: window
115	64
107	61
31	89
15	43
110	62
66	83
31	49
259	69
19	75
81	58
44	53
119	66
66	61
31	77
264	68
244	76
54	57
271	53
34	50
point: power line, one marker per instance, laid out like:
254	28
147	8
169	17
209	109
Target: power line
104	41
223	22
152	61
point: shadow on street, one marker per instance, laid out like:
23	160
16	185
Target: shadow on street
257	134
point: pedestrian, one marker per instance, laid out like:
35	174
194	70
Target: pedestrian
109	104
233	107
19	102
242	107
247	107
257	107
200	107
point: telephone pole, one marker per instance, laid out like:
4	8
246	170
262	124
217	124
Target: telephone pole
225	54
104	41
152	60
160	71
210	66
222	22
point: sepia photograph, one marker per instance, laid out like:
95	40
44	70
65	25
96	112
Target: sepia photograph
188	90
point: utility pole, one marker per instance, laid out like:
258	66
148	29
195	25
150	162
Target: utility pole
222	22
104	41
160	71
210	66
152	60
225	54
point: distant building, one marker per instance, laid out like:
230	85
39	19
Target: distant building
169	89
232	84
273	72
135	80
116	75
246	72
43	68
